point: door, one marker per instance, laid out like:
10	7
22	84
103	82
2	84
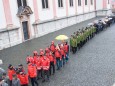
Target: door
25	30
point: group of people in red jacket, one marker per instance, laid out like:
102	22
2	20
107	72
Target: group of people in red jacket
41	65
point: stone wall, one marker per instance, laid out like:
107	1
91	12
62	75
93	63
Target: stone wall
9	38
50	26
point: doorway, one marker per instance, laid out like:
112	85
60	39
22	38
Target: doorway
25	30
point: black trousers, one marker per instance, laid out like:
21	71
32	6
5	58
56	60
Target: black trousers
25	85
34	81
39	74
45	73
52	66
78	46
73	50
10	82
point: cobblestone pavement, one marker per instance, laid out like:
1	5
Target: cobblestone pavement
93	65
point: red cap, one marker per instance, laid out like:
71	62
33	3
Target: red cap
41	53
46	49
35	52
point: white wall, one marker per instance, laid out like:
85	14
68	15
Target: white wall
2	16
99	4
71	10
45	14
86	7
80	8
61	11
108	5
32	17
14	10
92	7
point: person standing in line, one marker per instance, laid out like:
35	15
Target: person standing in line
2	82
52	63
15	80
23	79
45	66
32	73
62	51
38	64
52	47
11	72
57	55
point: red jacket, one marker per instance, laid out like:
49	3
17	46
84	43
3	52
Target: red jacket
66	48
62	52
35	58
23	79
51	58
38	63
57	54
52	47
47	54
45	63
32	71
10	73
30	59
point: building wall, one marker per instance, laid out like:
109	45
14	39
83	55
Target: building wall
86	7
72	10
92	7
2	16
45	12
61	11
99	4
44	21
80	9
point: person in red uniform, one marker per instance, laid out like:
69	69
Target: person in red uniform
47	51
41	58
45	66
35	55
52	63
52	47
11	72
23	79
62	54
32	73
21	68
66	48
57	55
30	59
39	69
41	51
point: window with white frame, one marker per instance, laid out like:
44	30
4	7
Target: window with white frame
85	2
91	2
79	2
44	4
21	3
71	3
60	3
